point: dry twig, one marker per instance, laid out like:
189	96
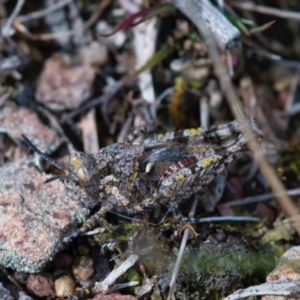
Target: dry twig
266	10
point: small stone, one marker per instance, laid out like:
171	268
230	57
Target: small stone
40	285
64	286
83	269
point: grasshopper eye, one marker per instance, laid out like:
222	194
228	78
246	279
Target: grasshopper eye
78	168
148	167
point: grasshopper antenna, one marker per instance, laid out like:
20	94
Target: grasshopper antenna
25	140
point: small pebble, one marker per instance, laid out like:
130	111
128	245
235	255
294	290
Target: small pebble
83	269
40	285
64	286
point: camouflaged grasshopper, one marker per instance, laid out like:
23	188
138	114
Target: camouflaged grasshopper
162	169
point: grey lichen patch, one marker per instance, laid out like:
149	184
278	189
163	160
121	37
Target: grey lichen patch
35	216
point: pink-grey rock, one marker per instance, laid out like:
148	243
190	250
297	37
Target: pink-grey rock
35	217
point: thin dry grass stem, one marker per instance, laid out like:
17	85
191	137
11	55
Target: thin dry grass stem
98	12
249	6
125	130
259	198
43	12
89	132
227	219
184	240
7	29
288	207
52	36
104	286
43	37
98	100
144	42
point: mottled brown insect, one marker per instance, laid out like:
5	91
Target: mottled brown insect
163	169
